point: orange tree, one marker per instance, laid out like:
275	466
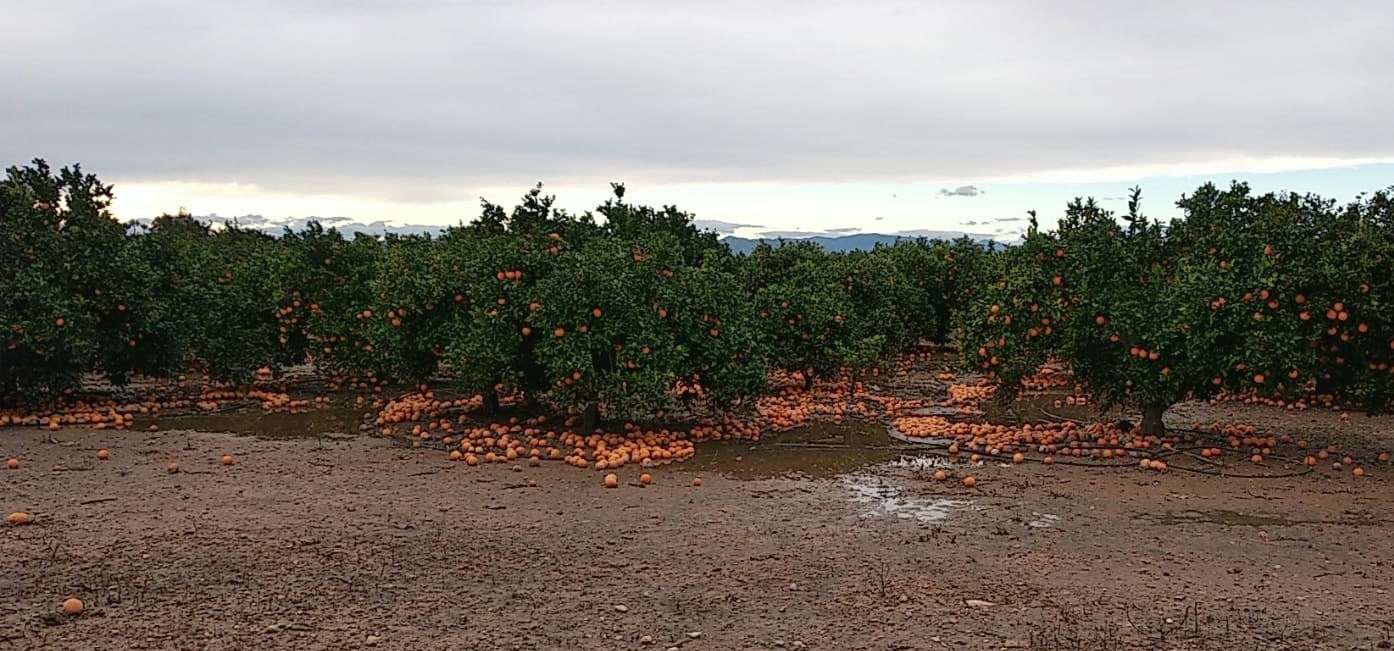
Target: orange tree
1295	291
823	311
494	266
399	328
940	276
76	294
632	309
1357	340
221	286
321	289
1230	296
713	321
56	238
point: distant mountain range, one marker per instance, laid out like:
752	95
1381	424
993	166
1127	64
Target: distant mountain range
858	241
829	240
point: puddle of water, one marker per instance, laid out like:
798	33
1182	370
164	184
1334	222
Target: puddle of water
254	422
881	499
819	450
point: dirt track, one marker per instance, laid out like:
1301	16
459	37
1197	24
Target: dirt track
349	542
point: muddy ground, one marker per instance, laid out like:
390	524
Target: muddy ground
829	538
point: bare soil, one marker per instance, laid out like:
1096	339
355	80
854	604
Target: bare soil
830	538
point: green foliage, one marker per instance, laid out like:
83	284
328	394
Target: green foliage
1278	294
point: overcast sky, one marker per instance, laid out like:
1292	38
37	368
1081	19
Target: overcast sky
787	115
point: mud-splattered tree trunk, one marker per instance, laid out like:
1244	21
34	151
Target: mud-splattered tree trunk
590	418
491	401
1152	424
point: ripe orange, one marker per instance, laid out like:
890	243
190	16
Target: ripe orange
696	481
970	481
645	479
227	459
13	463
172	467
72	606
940	475
1358	471
103	454
19	517
612	480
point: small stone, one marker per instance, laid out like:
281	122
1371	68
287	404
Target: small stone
372	640
622	608
694	635
647	639
779	643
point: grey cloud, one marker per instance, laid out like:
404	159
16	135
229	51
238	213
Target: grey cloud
1010	219
427	100
962	191
721	226
844	229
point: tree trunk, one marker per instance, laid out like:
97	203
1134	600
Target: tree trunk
1152	424
808	379
491	401
591	418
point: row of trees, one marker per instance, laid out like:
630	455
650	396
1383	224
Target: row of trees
1281	294
633	308
627	307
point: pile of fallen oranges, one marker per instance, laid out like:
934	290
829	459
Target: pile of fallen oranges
458	425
